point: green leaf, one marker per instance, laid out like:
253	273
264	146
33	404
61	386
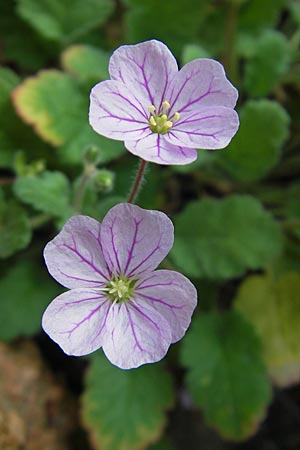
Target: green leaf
8	81
125	409
224	238
64	21
88	64
226	377
273	307
73	150
193	51
48	192
25	292
29	53
52	103
257	14
15	231
175	23
256	148
270	61
55	104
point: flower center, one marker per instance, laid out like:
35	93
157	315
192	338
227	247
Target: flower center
160	122
120	289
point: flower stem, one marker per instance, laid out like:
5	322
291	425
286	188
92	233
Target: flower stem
229	57
137	182
77	204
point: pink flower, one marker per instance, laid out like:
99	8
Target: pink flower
161	113
116	300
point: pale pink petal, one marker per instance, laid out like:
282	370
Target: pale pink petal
135	240
199	84
146	69
74	257
209	128
117	113
157	149
76	320
138	334
172	295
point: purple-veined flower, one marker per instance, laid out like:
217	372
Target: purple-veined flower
117	300
161	113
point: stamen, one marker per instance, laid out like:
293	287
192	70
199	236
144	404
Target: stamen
166	105
152	121
168	124
176	116
164	117
151	108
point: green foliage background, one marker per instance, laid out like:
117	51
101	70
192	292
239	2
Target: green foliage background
236	211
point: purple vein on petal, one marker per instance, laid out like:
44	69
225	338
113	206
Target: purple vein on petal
74	250
114	245
132	305
117	94
145	84
85	300
131	324
104	323
88	317
134	241
98	240
158	300
144	260
184	121
81	279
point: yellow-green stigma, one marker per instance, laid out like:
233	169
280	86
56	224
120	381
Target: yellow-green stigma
120	289
160	123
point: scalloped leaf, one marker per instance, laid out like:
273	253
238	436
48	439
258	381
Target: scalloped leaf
273	308
64	21
227	377
52	103
56	106
87	63
142	396
256	148
15	231
268	63
26	290
48	192
221	239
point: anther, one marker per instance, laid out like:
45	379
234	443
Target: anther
151	108
168	124
166	104
176	116
152	121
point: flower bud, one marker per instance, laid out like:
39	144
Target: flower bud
103	181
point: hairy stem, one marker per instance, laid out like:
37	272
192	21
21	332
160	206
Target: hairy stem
137	182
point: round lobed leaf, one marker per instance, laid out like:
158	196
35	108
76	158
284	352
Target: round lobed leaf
278	325
142	396
221	239
226	377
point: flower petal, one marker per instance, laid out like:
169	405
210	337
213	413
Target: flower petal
172	295
210	128
76	320
135	240
146	69
138	335
157	149
74	257
116	113
199	84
